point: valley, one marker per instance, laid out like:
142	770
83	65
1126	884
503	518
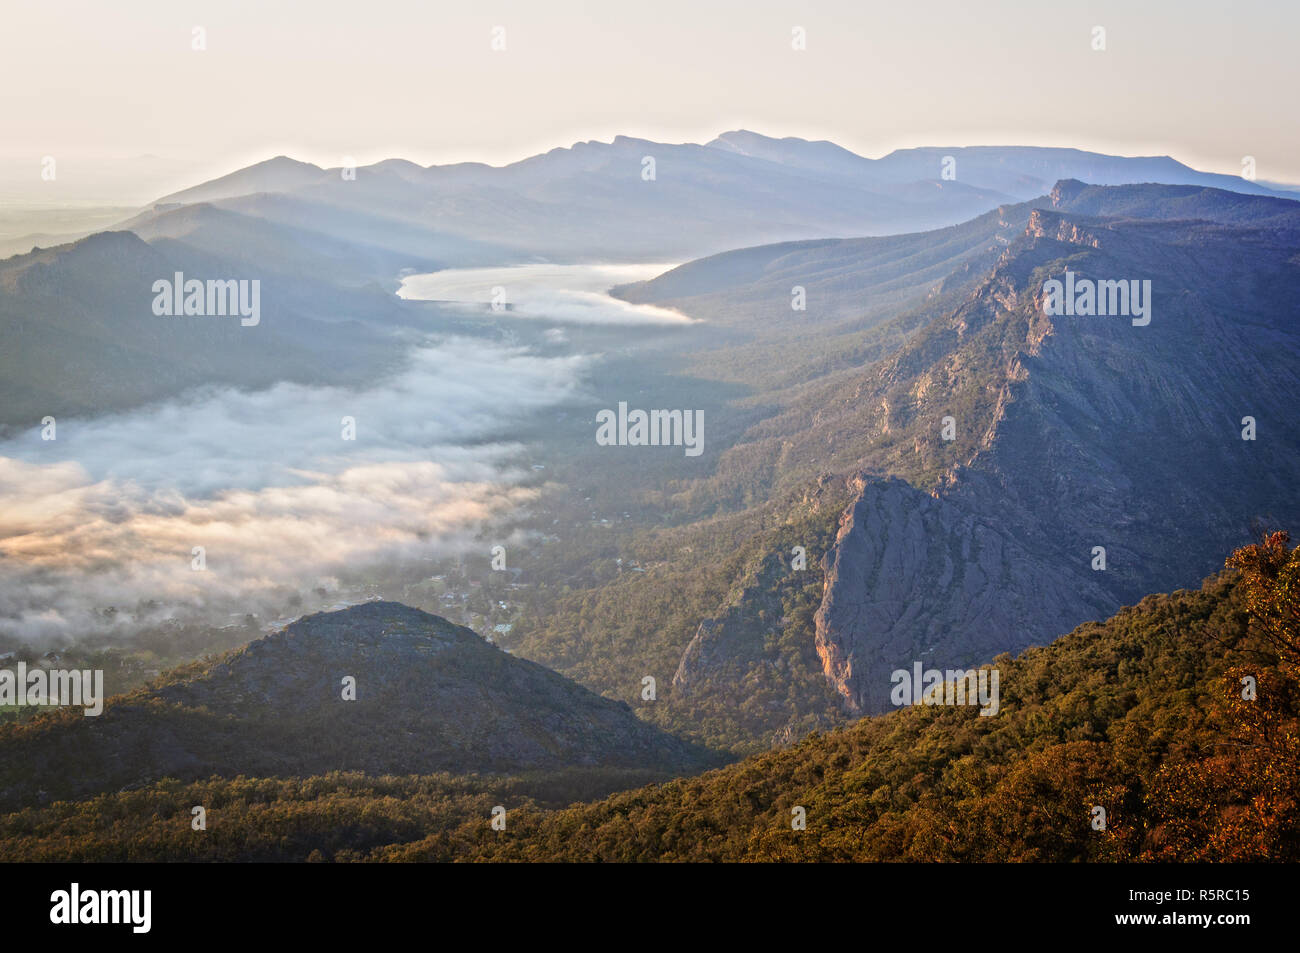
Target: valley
692	514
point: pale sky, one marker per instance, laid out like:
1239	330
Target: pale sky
1205	82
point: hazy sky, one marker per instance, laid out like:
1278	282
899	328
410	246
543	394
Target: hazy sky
1205	82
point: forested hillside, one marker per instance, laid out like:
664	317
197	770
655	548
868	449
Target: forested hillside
379	688
1177	716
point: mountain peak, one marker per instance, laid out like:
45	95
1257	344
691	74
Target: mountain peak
820	157
377	622
744	140
742	135
284	161
277	174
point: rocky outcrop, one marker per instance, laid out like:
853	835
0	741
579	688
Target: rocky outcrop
916	577
1073	433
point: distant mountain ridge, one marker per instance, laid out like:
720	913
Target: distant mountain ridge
604	199
590	200
1021	171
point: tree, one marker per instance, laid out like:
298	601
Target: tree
1242	802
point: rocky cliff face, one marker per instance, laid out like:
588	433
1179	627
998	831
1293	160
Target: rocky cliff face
1075	432
915	577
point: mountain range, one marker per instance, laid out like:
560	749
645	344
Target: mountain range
331	247
912	459
590	200
596	198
